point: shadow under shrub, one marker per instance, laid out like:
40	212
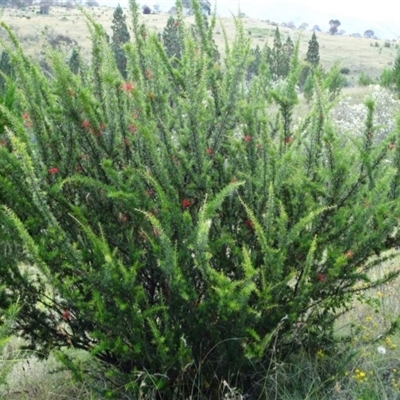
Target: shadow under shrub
175	227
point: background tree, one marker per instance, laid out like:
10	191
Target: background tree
333	26
288	50
146	10
119	37
205	6
312	58
276	56
396	74
254	64
75	61
369	34
171	38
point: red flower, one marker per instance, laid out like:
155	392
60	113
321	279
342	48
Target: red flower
249	224
127	87
247	138
52	170
210	151
186	203
132	128
27	120
392	146
349	254
288	140
321	277
66	314
123	218
86	124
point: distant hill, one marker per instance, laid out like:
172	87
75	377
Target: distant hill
381	17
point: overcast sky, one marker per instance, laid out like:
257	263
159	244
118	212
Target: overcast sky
354	15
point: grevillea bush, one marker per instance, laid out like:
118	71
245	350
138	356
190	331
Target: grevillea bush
174	224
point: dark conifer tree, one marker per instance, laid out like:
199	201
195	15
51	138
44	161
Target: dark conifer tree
288	49
171	38
312	58
313	51
74	61
119	38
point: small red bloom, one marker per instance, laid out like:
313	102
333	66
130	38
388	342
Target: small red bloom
66	314
27	120
127	87
186	203
249	224
247	138
123	218
321	277
392	146
86	124
132	128
210	151
52	170
349	254
289	140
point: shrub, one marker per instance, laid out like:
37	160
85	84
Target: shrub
387	78
176	228
365	80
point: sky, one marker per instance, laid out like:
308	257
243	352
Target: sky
379	16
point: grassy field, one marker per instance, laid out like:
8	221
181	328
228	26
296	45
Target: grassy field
357	54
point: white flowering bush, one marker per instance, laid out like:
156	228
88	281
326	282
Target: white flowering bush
350	118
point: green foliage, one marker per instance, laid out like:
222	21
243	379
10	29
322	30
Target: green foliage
120	36
171	38
255	63
387	78
309	88
75	61
279	56
365	80
396	73
175	224
312	55
312	60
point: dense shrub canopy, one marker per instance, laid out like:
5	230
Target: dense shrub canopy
173	223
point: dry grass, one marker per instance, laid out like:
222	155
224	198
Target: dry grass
357	54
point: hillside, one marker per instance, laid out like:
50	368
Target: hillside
357	54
